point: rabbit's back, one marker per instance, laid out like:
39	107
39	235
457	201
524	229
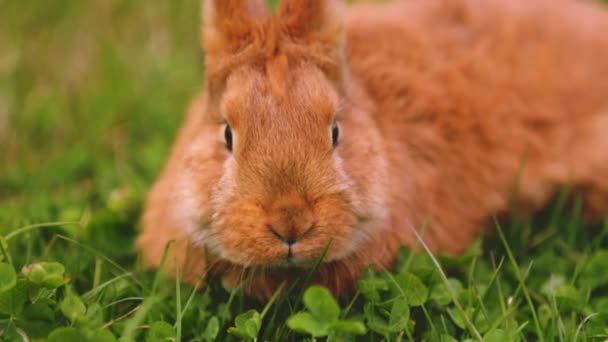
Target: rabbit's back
468	92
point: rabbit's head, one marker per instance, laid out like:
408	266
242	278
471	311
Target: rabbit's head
287	159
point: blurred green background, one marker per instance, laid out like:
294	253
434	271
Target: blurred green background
91	94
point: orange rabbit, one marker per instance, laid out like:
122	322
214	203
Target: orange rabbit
356	126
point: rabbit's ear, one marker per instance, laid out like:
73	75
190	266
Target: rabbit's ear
310	20
227	24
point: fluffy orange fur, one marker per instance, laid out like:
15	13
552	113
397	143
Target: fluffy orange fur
447	110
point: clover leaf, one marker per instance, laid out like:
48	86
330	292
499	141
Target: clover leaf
247	325
322	317
73	307
8	277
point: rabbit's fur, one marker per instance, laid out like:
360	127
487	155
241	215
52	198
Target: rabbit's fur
447	110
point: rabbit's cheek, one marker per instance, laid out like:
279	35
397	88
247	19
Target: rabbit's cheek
192	209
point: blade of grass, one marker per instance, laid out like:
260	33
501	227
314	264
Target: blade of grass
560	203
350	305
6	254
96	253
161	267
445	280
518	274
272	300
580	326
93	292
501	296
178	303
30	227
123	300
306	281
194	291
140	315
481	298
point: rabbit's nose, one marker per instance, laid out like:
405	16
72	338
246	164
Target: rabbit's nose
291	220
289	242
290	236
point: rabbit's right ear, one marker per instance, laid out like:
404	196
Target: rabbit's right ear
229	24
313	20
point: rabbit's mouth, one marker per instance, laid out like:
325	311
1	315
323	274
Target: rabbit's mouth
274	252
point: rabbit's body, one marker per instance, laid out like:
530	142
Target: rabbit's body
449	109
474	93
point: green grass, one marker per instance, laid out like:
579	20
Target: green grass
91	94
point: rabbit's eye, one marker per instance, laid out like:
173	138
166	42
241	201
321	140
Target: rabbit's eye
228	137
335	134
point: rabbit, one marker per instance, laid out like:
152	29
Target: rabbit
343	131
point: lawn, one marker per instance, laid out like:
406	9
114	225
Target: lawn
91	95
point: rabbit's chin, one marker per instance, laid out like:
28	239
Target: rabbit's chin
339	277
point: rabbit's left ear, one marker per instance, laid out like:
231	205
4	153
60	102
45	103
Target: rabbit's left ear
229	24
313	20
